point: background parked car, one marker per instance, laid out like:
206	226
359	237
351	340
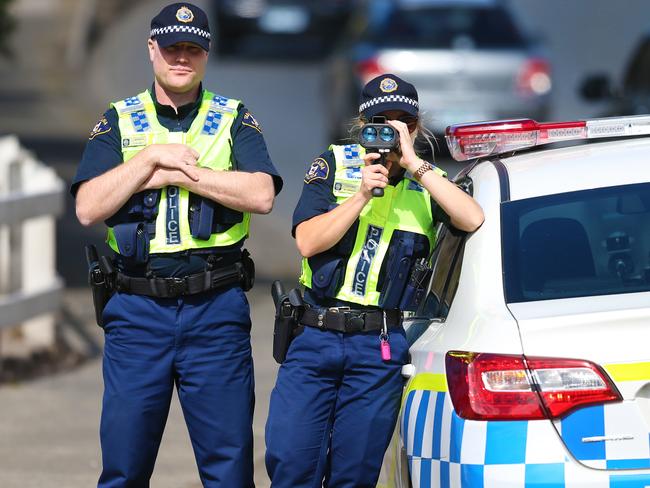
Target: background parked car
279	29
469	59
632	96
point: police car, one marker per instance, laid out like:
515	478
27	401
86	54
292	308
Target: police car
530	356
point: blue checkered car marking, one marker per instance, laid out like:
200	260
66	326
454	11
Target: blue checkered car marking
445	451
212	122
140	121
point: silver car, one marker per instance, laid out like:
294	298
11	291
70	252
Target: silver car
468	59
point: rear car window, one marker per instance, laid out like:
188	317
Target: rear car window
444	27
577	244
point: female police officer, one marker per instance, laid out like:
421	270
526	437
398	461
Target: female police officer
337	394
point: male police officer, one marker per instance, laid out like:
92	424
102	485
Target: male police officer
175	172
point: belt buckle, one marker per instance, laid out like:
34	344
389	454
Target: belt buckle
338	309
176	286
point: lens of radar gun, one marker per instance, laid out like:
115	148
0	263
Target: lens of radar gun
369	134
387	134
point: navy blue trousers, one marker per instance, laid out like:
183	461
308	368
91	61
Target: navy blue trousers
199	344
333	410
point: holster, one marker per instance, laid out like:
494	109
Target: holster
417	285
100	278
288	310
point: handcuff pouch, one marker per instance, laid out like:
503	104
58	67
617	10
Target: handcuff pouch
328	272
132	241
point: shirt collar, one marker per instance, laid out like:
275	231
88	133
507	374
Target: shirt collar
183	111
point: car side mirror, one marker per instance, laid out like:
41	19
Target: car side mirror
596	88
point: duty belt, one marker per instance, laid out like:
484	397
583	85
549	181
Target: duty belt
179	286
343	319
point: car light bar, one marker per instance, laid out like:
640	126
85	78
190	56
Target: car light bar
486	386
479	139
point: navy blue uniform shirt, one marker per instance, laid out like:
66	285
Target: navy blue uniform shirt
103	153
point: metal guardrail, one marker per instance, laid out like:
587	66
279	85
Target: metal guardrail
31	196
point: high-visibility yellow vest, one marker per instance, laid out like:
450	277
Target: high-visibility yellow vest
209	135
405	207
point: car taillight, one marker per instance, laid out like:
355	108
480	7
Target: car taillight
487	386
534	78
368	69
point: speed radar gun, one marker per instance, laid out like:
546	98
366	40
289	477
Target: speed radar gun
378	137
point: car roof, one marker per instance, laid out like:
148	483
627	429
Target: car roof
594	165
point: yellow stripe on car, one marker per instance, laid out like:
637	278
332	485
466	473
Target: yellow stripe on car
629	371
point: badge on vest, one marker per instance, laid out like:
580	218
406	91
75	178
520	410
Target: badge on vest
319	170
136	140
346	188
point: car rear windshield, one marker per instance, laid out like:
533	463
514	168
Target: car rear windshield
578	244
444	27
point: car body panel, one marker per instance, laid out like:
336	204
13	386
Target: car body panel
582	167
597	446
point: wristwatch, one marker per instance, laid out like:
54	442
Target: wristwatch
424	167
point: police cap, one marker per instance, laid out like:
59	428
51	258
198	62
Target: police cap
388	92
181	22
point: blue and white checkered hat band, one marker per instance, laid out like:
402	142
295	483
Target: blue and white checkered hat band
388	99
170	29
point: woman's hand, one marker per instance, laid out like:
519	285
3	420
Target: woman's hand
372	175
409	160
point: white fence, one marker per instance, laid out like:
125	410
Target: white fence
31	196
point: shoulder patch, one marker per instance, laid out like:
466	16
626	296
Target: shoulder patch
319	170
101	127
250	121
